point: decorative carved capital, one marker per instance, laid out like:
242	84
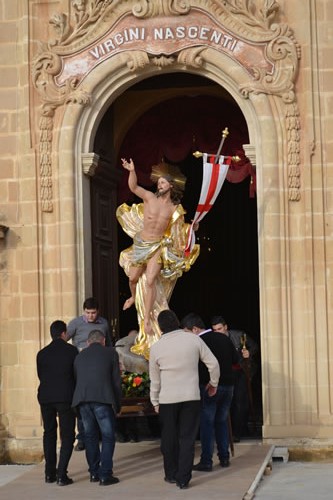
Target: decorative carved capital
250	152
89	163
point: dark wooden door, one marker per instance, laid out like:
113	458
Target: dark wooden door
104	244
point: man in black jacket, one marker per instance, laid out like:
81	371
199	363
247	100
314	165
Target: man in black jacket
55	392
98	396
214	410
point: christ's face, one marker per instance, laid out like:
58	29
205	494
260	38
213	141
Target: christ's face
163	186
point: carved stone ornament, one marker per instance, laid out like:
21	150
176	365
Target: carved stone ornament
89	163
96	30
46	65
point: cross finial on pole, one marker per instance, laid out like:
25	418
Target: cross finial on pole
225	133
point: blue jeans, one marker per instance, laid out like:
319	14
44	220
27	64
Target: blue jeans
80	428
214	423
99	419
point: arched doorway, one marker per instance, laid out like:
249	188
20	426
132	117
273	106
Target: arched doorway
184	112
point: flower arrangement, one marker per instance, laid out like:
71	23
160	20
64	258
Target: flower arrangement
135	384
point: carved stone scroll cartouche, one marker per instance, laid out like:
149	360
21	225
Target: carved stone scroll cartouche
95	30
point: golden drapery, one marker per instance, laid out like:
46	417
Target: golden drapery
174	263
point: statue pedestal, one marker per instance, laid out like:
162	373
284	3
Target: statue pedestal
136	407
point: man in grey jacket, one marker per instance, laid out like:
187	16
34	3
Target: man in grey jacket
98	396
77	331
175	395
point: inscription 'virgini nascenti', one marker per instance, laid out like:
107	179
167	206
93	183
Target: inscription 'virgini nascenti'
165	34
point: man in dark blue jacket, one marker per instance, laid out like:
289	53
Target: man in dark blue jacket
55	393
215	409
243	371
98	396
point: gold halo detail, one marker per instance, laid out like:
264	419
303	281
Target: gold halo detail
165	170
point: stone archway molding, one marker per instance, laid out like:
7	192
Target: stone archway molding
165	34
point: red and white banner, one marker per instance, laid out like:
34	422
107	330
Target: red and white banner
214	174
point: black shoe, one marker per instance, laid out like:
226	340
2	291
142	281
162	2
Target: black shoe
94	478
51	478
170	480
80	446
225	462
182	486
236	439
64	481
202	467
110	480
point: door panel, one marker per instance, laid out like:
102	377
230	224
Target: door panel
105	248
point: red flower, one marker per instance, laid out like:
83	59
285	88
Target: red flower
137	381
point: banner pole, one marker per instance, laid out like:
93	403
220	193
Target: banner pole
225	134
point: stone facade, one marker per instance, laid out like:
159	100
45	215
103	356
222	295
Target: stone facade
63	63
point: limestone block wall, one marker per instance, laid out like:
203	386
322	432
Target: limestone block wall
19	256
297	360
35	287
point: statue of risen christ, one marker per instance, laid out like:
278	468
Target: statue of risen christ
156	259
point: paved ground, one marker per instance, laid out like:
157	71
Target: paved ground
297	481
139	467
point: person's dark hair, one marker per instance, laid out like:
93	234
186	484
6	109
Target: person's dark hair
57	328
95	336
91	303
168	321
191	320
218	319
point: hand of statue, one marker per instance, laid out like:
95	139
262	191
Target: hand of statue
127	165
196	226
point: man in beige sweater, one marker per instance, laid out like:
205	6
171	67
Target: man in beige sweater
175	395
